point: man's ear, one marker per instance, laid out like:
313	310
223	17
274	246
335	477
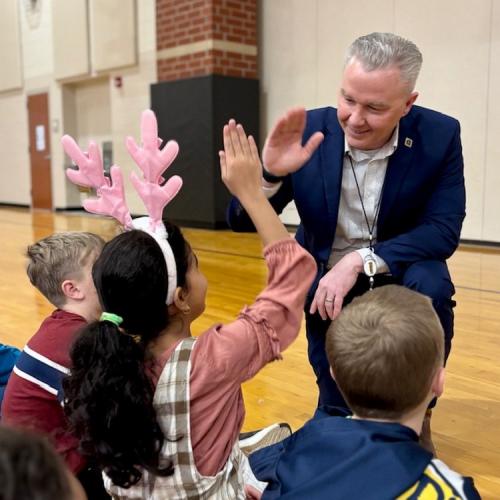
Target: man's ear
71	290
181	301
331	373
409	102
438	382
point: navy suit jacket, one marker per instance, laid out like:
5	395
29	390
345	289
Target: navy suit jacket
423	198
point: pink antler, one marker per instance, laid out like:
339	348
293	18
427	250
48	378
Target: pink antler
110	195
153	161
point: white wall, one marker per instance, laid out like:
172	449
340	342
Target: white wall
460	42
92	105
112	33
491	206
76	104
10	46
128	102
71	38
15	179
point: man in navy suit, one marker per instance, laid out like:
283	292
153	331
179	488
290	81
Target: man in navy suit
379	189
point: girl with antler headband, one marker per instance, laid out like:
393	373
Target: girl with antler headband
159	410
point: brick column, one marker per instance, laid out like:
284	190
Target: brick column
207	73
203	37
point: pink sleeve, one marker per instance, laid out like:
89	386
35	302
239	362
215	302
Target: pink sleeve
238	350
227	355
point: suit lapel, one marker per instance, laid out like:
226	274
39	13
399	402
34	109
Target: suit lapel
332	157
397	168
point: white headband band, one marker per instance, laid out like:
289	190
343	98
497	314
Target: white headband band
161	237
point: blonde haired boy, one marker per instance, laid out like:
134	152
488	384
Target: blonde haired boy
60	266
386	353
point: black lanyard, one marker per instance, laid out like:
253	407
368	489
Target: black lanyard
371	228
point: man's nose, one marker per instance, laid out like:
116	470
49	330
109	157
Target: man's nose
357	118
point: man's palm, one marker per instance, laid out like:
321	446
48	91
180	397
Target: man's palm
283	151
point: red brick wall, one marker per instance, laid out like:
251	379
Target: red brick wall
235	21
183	22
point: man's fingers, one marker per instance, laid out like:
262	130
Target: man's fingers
322	311
320	308
329	305
319	297
296	120
337	306
293	120
253	149
274	137
314	306
312	144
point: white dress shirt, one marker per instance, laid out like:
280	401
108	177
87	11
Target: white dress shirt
352	232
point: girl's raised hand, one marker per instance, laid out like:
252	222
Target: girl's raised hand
241	170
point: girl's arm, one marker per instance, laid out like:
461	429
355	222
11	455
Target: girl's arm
227	355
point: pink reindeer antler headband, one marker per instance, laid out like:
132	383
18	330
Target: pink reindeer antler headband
110	200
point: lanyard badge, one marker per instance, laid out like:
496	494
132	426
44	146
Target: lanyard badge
369	262
370	268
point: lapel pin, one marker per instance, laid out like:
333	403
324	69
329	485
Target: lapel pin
408	142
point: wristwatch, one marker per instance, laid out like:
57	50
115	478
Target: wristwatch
273	179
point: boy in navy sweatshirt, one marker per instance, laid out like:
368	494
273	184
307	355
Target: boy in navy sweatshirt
386	354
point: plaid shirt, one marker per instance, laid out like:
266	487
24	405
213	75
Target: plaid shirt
171	402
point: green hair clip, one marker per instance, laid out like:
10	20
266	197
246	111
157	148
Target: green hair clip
113	318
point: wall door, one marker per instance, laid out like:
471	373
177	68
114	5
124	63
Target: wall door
41	177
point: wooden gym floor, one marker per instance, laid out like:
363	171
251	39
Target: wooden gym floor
466	423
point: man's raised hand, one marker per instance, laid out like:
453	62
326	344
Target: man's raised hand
283	151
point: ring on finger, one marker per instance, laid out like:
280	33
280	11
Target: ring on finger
329	300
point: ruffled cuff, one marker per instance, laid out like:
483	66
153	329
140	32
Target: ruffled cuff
262	326
288	245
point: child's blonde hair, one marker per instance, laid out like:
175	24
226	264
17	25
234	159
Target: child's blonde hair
384	350
59	257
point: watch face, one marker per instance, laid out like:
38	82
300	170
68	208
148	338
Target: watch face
370	266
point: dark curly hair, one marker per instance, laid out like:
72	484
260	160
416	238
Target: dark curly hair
109	396
29	468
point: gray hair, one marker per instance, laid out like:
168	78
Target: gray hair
382	50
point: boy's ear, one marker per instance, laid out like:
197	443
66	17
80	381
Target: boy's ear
71	290
181	300
438	382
